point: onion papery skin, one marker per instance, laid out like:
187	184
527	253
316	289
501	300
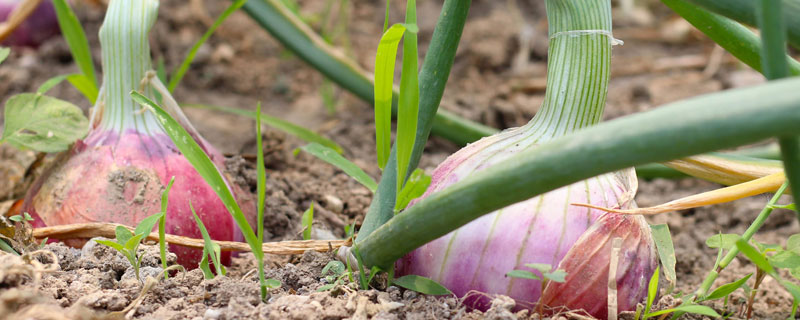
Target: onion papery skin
588	263
40	26
473	260
112	177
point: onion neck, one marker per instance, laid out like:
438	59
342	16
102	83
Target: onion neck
126	59
579	59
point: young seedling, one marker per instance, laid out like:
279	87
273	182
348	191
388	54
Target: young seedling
686	307
210	248
333	273
127	244
19	218
306	221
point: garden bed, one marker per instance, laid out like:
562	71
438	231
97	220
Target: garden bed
662	60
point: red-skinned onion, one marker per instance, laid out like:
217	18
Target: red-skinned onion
473	261
118	172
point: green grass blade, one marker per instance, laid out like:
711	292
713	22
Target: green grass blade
351	169
306	221
384	83
84	85
652	290
208	245
162	227
298	37
666	252
692	308
408	102
200	161
726	289
50	83
672	131
438	61
73	33
181	71
285	126
261	190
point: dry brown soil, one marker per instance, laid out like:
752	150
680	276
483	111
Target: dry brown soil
662	60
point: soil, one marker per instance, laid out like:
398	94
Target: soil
663	60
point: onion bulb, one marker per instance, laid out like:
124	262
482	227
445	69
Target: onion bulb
118	172
473	261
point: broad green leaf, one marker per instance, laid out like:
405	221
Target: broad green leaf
785	259
133	243
692	308
793	289
73	33
384	84
422	285
793	243
84	85
334	267
272	283
4	52
795	273
178	74
414	188
50	83
285	126
724	241
767	247
15	218
112	244
522	274
666	252
652	289
43	123
122	234
200	161
726	289
755	256
209	247
351	169
306	221
408	99
146	225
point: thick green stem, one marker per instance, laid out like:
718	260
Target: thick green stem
579	59
744	11
748	234
669	132
432	80
773	35
126	59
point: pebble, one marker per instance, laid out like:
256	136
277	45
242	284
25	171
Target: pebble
212	314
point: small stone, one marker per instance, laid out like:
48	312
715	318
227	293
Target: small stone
333	203
212	314
409	295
